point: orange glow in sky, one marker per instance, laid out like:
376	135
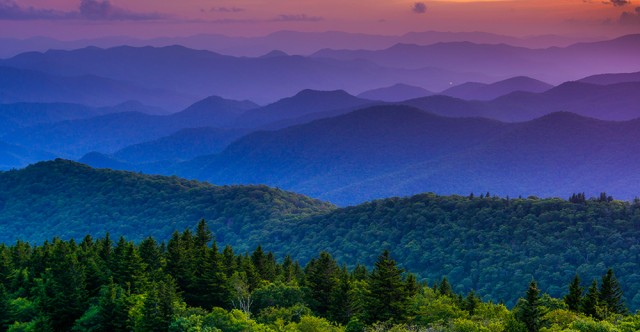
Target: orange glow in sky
150	18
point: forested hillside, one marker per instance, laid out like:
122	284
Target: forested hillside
189	284
490	244
67	199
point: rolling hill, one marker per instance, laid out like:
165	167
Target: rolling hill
482	91
554	65
70	200
111	132
617	102
395	93
396	151
490	244
203	73
33	86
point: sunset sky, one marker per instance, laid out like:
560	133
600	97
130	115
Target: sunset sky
73	19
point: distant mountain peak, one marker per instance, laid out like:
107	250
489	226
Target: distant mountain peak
321	93
274	54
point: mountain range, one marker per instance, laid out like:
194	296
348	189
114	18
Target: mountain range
203	73
554	65
292	42
24	85
476	241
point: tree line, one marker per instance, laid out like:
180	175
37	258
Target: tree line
189	284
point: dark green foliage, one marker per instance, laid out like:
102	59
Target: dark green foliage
159	306
388	296
574	298
445	288
531	314
63	295
341	308
4	308
491	245
322	278
610	294
67	199
591	301
47	290
471	302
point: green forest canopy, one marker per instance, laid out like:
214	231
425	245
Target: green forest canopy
490	244
188	284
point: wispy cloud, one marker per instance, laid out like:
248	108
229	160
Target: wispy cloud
226	9
297	18
101	10
630	18
419	8
10	10
617	3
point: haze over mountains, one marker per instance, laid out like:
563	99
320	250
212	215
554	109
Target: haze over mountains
427	116
292	42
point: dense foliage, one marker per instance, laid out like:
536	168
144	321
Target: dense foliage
188	284
490	244
67	199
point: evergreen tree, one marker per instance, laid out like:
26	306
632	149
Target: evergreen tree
412	285
531	314
590	302
288	272
229	263
341	301
388	297
114	306
209	284
360	272
610	294
159	306
445	288
574	298
470	303
62	296
180	259
4	308
322	279
151	256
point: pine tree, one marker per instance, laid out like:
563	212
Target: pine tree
114	306
610	294
341	302
590	302
470	303
159	306
445	288
322	278
62	296
531	314
574	298
412	287
229	263
152	258
4	308
388	297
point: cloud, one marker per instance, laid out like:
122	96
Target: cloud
419	8
617	3
297	18
226	9
630	18
10	10
104	10
87	9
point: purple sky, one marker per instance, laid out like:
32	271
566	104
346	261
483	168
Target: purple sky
74	19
